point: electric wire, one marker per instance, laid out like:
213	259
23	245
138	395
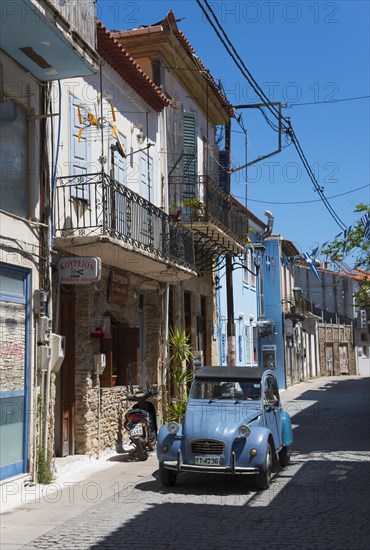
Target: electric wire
287	127
306	202
327	101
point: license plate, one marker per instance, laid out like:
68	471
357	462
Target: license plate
137	429
207	460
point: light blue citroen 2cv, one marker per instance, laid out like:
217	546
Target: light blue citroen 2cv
234	424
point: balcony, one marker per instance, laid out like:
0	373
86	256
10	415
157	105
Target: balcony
52	40
97	216
219	217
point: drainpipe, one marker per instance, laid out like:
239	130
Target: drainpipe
50	273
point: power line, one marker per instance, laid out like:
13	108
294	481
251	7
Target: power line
305	202
287	127
327	101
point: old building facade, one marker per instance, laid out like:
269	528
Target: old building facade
51	50
197	197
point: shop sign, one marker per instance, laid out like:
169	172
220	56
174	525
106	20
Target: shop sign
79	270
118	288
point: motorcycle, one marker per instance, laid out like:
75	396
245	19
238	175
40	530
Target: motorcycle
141	423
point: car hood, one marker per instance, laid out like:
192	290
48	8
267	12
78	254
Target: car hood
219	419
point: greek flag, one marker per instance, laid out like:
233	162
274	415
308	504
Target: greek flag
366	221
346	233
311	263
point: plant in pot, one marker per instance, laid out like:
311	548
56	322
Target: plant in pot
180	354
196	206
175	212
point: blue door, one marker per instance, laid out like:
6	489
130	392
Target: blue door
14	360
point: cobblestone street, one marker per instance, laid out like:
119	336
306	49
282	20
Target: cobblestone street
320	501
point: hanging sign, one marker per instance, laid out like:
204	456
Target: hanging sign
79	270
118	288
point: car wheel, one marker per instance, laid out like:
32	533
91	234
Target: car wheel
263	479
167	477
284	456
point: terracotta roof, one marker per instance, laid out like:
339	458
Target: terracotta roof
207	75
118	58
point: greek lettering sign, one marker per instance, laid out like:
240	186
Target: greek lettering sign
79	270
118	288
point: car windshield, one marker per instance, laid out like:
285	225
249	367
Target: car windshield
219	389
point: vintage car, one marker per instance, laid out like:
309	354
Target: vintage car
234	424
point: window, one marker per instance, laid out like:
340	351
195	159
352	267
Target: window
248	345
156	73
271	390
246	272
252	267
14	158
79	151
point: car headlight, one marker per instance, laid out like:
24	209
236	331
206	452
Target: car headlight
244	430
173	428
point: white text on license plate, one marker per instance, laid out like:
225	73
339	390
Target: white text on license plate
137	430
207	460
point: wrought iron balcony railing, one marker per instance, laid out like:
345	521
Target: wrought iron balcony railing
97	205
202	201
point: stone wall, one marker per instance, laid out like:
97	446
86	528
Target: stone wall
99	411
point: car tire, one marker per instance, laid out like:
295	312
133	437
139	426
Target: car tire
284	456
167	477
263	479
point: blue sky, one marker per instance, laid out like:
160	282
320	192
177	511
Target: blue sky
298	52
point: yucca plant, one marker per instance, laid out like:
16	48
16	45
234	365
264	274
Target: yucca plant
180	354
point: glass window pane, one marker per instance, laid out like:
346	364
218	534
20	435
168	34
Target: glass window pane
14	158
11	282
12	346
11	430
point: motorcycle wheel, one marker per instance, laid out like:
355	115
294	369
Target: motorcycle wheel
141	449
152	441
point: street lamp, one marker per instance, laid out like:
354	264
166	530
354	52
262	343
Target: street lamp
297	293
259	250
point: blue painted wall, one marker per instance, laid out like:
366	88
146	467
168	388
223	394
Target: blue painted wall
271	272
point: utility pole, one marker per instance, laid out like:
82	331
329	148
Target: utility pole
231	345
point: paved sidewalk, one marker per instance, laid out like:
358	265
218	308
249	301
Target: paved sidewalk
29	511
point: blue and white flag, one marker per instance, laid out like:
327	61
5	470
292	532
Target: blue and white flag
366	222
346	233
312	265
314	252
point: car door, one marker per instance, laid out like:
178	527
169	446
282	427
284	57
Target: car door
272	409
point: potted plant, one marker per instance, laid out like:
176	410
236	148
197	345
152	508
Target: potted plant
179	354
175	212
196	207
194	204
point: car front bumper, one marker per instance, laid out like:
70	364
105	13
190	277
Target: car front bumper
179	466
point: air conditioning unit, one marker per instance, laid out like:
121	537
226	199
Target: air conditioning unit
99	363
44	326
43	357
57	346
